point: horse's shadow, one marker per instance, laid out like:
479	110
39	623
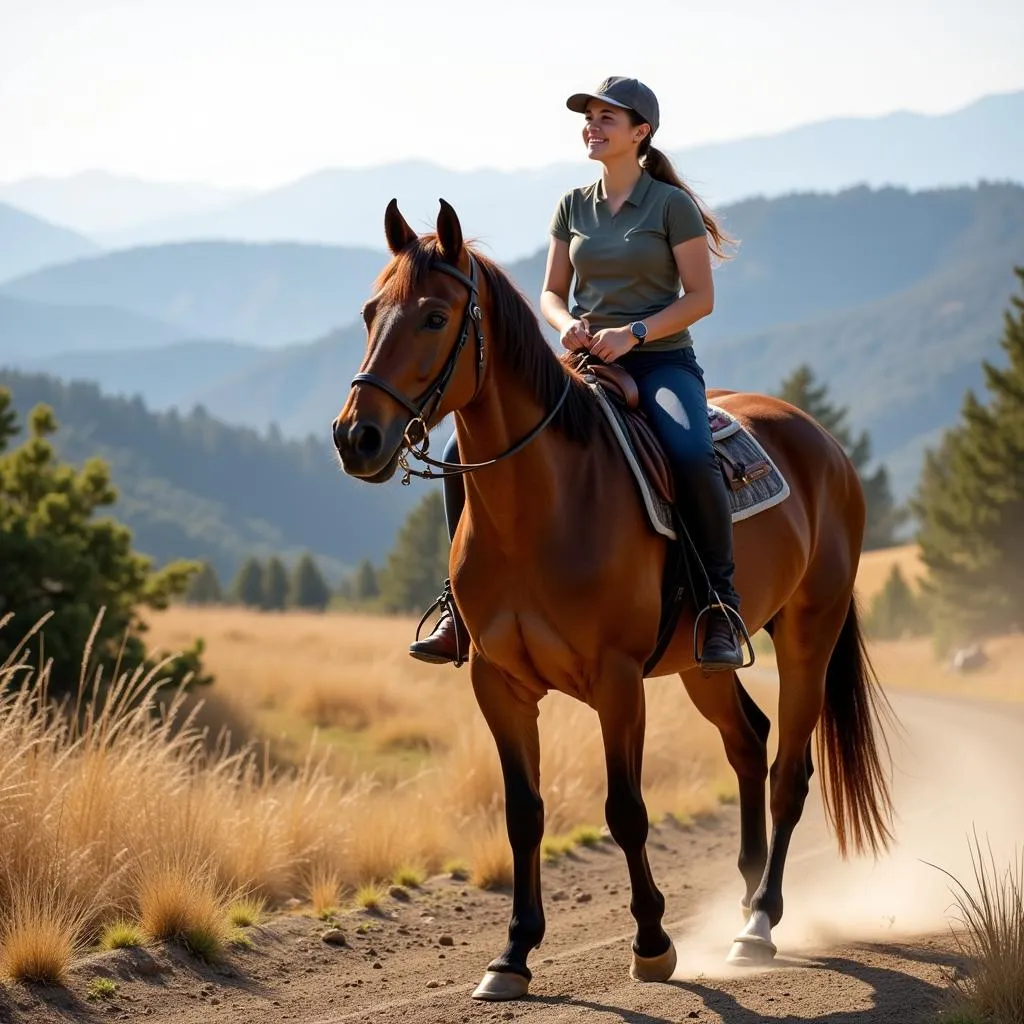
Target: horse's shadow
897	996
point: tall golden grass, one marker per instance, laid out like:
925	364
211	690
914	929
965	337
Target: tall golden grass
131	811
991	938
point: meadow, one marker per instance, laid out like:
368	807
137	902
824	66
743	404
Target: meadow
323	765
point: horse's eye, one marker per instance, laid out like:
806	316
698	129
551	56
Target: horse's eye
436	321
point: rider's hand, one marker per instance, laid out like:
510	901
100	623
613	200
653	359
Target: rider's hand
575	335
611	343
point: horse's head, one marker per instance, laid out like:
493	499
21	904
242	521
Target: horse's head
424	347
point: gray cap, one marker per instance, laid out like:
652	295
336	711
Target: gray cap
628	93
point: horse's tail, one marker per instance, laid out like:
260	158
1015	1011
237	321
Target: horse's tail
854	787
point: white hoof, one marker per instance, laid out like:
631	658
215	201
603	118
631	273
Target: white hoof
498	986
654	968
753	947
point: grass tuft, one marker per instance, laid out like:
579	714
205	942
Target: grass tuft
586	835
324	888
553	848
178	900
457	869
40	934
410	876
369	896
121	934
238	939
101	988
246	912
991	939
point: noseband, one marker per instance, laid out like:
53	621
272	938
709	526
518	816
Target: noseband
426	405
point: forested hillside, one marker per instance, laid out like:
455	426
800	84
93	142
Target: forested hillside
191	486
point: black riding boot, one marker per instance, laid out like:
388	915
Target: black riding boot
709	520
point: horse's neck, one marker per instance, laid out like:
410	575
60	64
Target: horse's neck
519	489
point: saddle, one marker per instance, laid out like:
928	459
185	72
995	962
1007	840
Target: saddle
618	384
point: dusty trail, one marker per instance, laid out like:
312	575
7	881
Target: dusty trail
860	943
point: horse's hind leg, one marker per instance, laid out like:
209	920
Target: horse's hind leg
618	698
744	729
804	634
513	723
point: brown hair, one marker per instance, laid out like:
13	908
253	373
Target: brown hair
659	167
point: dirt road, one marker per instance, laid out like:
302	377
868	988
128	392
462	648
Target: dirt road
860	943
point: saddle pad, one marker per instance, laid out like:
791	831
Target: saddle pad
727	434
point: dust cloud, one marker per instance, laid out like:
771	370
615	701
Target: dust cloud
958	771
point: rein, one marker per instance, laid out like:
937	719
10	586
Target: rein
424	407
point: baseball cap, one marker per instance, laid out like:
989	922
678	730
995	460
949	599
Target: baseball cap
628	93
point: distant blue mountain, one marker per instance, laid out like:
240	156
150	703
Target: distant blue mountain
28	243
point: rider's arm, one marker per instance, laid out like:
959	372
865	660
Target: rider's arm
698	299
554	297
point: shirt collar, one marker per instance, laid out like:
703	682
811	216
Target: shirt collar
636	197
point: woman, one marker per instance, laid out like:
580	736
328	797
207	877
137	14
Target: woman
632	239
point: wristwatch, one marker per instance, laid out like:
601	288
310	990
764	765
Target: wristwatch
639	331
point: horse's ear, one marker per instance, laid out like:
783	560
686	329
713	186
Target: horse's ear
449	233
396	229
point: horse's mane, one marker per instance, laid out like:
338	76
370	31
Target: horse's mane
515	336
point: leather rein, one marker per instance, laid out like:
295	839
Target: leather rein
424	407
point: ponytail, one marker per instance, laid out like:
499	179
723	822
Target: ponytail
659	167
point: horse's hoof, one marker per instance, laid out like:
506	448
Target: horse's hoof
745	910
498	986
753	947
654	968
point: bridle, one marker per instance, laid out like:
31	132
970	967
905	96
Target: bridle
422	408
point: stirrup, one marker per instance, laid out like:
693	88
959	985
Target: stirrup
446	602
735	617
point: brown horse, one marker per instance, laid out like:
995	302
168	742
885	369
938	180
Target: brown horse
558	576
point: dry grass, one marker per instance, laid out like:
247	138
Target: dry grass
991	937
245	912
370	896
147	812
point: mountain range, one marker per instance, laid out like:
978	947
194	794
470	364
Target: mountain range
510	210
28	243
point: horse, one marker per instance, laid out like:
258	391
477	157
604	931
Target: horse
558	577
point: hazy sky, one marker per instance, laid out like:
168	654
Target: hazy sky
259	92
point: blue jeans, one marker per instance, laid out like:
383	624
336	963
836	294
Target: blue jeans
672	394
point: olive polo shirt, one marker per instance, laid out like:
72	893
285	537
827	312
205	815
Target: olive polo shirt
624	266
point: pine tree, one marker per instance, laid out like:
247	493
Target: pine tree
248	587
970	502
896	610
308	589
364	584
58	558
418	564
884	517
204	587
275	585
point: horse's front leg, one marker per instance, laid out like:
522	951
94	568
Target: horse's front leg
618	697
512	719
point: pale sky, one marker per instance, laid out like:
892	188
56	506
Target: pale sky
260	92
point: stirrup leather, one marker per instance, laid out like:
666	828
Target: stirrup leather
446	602
735	617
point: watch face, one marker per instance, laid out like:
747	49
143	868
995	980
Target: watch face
639	330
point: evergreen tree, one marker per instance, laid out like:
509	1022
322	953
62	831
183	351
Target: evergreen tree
60	559
275	585
204	587
364	583
884	517
970	502
418	563
896	610
308	588
248	587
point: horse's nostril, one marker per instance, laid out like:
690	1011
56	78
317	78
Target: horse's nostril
338	430
366	439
